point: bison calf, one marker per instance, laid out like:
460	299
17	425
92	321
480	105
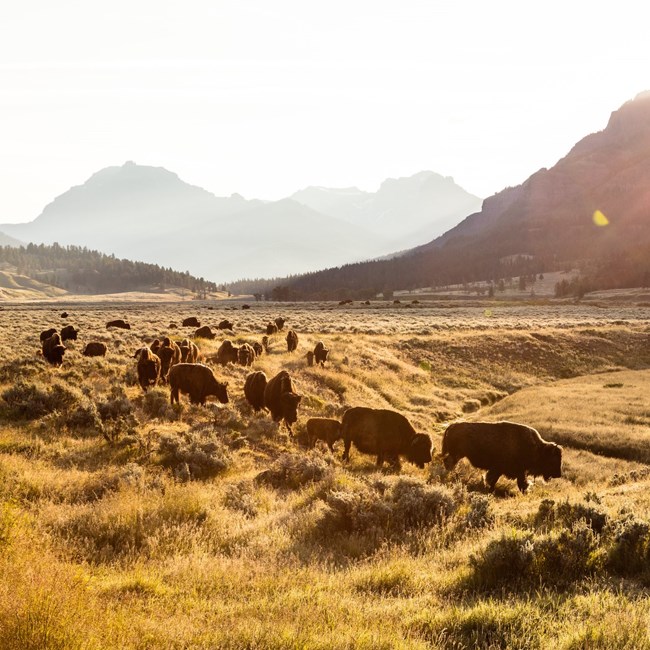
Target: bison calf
198	381
254	389
502	448
385	433
325	429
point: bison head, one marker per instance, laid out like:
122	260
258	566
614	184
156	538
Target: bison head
551	461
220	390
419	452
290	403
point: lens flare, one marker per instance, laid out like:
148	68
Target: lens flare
600	219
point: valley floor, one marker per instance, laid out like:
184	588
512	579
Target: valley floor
128	523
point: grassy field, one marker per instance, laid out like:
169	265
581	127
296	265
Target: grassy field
128	523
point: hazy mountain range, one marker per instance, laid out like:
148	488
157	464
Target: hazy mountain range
547	222
150	214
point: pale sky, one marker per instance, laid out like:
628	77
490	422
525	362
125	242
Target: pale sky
266	97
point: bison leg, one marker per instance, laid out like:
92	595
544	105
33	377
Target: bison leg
491	478
449	462
380	459
346	449
173	395
522	483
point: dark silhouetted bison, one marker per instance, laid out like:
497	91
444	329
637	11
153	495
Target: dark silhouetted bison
69	333
225	325
325	429
198	381
385	433
227	353
292	341
502	448
258	348
122	324
189	351
254	389
95	349
279	322
170	354
245	306
321	353
245	355
53	349
204	333
271	328
148	368
310	358
47	333
192	321
155	346
281	399
64	314
265	344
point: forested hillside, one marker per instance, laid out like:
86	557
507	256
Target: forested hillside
80	270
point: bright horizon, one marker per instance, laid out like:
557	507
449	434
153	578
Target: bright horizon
242	97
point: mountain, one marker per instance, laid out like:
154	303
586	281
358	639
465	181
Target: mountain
407	211
546	223
5	240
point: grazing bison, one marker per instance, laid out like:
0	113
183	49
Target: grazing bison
310	358
204	333
245	306
502	448
95	349
69	333
192	321
227	353
148	368
64	314
198	381
258	348
321	353
265	344
47	333
122	324
246	355
225	324
189	351
279	322
281	399
385	433
254	389
325	429
53	349
292	341
271	328
170	354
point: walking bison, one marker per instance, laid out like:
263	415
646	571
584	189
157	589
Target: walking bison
198	381
281	399
254	389
503	449
325	429
148	368
292	341
95	349
53	349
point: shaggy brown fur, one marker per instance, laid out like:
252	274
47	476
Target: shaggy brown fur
385	433
189	351
258	348
170	354
198	381
254	389
321	353
47	333
325	429
292	341
69	333
246	355
310	358
271	328
227	353
155	346
204	333
148	368
122	324
281	399
279	322
192	321
265	344
225	325
95	349
502	448
53	349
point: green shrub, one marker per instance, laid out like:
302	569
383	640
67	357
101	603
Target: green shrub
292	471
155	404
630	550
194	455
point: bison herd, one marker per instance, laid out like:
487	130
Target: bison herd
501	448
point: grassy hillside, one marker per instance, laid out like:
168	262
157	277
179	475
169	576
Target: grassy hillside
127	523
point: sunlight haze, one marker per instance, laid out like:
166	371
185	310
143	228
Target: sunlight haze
264	99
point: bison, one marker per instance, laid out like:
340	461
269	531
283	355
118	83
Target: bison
53	349
45	334
64	314
225	324
198	381
385	433
292	341
189	351
279	322
310	358
192	321
204	333
246	354
258	348
325	429
155	346
271	328
265	344
69	333
121	324
148	368
227	353
254	389
95	349
502	448
321	353
281	399
170	354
